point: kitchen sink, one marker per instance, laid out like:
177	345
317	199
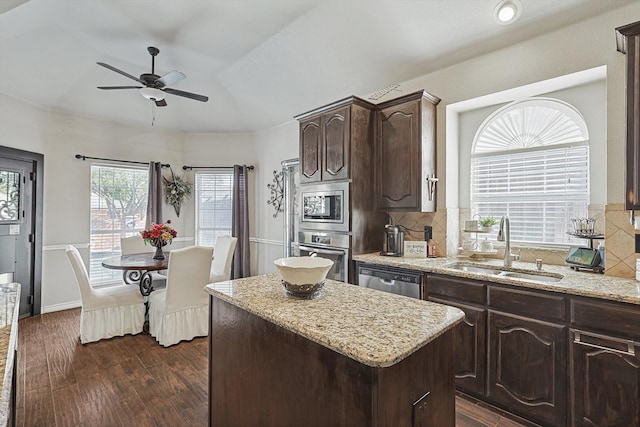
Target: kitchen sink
498	272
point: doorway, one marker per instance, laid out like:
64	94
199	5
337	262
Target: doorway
21	224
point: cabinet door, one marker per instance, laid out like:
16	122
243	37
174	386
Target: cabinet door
605	381
527	367
335	145
628	41
398	168
470	348
310	150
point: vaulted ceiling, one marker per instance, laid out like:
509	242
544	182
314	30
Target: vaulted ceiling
260	62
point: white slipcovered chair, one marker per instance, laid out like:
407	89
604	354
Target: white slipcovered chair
181	311
222	259
106	312
135	245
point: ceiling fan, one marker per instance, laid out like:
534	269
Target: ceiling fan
154	86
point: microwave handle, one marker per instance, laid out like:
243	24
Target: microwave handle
321	251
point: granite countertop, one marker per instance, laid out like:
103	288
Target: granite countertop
9	310
573	282
375	328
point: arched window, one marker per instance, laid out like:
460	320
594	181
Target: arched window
530	161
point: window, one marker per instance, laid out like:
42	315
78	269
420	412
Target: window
213	198
530	162
118	209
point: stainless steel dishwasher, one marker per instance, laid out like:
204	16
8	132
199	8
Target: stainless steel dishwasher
392	279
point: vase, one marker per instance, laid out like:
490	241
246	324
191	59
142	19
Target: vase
159	254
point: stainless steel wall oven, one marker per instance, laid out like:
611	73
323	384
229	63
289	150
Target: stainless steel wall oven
327	244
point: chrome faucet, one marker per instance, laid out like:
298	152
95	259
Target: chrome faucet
504	235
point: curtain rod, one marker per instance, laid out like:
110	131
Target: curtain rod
188	168
81	157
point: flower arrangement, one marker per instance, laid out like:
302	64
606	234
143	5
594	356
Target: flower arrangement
159	235
176	191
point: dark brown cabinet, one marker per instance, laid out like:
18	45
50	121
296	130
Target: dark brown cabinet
405	150
526	343
331	137
527	367
628	42
605	363
469	337
610	396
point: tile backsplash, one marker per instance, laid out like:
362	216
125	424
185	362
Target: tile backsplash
611	220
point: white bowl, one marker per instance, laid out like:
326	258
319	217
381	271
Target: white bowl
303	270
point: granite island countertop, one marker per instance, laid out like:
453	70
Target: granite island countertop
375	328
582	283
9	310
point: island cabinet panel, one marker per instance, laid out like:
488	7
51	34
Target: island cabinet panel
405	153
527	367
261	374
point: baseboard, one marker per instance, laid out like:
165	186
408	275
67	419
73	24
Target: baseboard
60	307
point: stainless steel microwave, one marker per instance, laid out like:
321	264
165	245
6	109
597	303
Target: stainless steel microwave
325	206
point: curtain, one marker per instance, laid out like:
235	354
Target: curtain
154	201
240	222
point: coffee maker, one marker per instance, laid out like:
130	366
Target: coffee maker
393	243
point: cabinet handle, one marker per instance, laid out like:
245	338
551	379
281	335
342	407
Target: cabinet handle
431	186
631	351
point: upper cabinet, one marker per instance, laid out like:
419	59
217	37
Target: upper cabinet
628	42
405	153
329	138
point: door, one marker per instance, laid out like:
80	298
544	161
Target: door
17	227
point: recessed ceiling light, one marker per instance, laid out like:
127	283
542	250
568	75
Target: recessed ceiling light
507	12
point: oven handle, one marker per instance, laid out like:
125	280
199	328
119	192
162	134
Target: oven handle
321	251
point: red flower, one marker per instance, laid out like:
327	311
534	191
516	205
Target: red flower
159	233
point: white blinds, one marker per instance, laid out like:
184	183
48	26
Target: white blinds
539	189
213	200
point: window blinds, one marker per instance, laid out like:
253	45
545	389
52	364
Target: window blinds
213	205
539	189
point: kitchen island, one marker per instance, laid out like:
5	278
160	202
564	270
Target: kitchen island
351	357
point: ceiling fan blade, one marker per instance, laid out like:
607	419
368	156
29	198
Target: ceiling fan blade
119	87
170	78
161	103
112	68
189	95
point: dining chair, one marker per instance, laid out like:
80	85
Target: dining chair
106	312
181	311
135	245
222	259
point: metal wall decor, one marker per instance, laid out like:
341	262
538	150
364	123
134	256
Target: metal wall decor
277	192
9	195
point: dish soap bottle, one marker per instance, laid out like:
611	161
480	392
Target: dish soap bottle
601	253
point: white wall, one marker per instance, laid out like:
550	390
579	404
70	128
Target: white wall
582	46
272	147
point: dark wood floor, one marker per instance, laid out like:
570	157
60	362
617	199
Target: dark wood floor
128	380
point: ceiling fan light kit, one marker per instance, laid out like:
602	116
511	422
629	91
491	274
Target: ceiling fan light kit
152	93
154	87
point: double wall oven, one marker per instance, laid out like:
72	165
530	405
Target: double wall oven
324	226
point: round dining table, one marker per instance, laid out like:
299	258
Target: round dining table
137	268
